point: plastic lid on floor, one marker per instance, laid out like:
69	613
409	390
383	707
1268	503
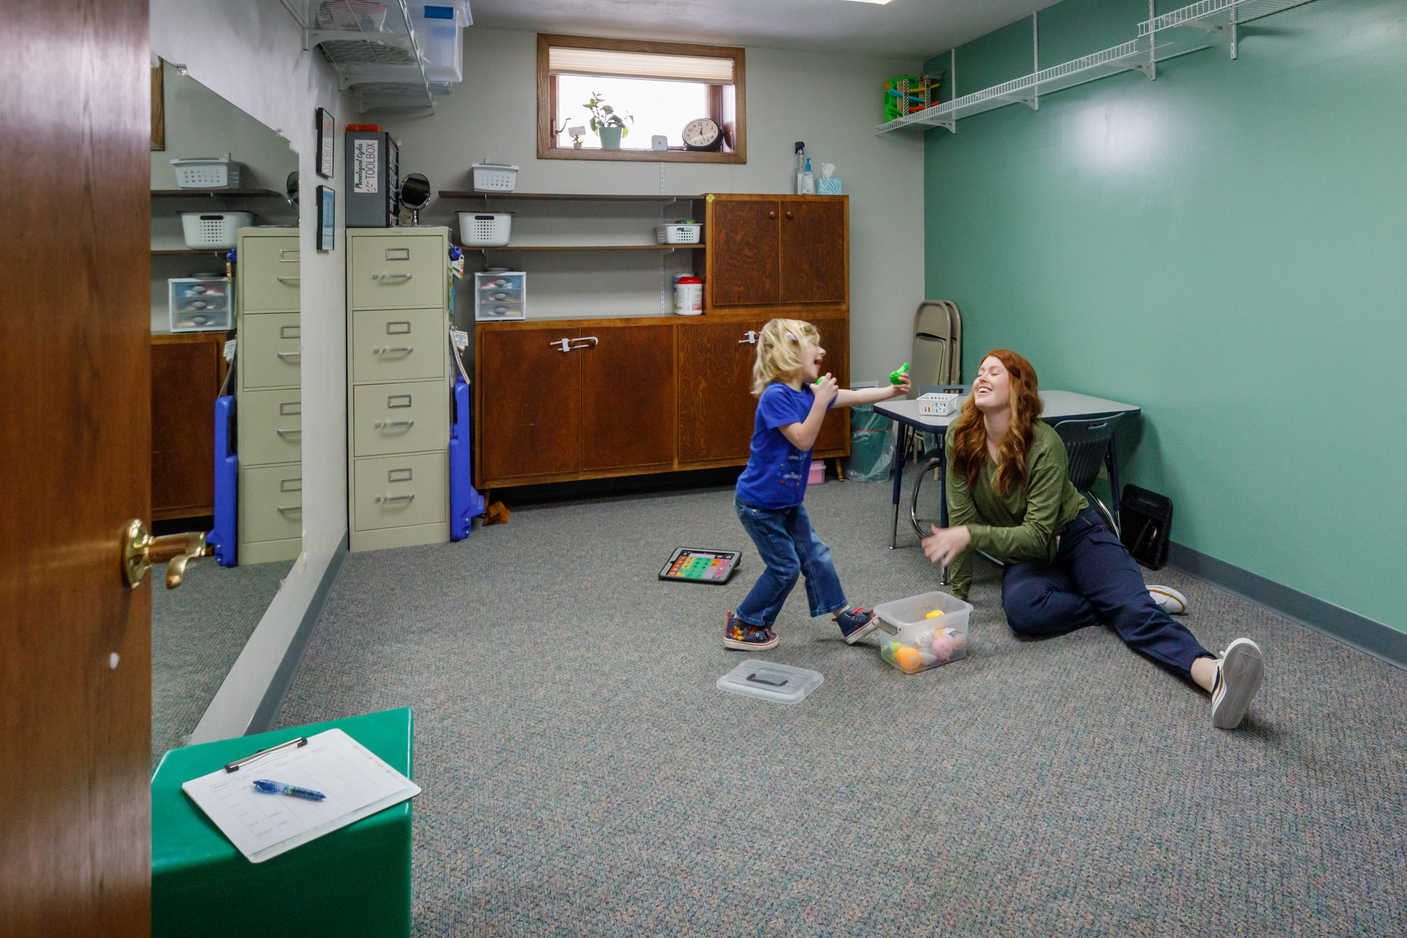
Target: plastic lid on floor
781	683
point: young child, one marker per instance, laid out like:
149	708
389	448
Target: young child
791	404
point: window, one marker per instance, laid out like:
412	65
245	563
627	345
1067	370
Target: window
662	86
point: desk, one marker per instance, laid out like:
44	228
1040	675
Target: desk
1059	405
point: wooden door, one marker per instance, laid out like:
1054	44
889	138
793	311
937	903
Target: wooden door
835	339
186	372
716	406
75	433
742	245
627	397
814	252
530	400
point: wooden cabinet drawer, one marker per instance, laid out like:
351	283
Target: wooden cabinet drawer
395	491
397	345
268	274
270	350
399	418
398	272
270	426
271	502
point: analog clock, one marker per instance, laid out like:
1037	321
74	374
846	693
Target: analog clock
703	134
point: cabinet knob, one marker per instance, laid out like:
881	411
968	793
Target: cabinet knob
771	214
788	214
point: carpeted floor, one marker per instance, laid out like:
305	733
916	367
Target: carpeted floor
583	776
197	632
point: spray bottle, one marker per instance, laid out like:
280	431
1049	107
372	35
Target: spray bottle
800	165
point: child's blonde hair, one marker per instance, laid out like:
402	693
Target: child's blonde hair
779	351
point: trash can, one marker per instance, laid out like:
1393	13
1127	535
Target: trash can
871	445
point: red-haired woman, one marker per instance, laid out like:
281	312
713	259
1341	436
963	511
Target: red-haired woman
1008	496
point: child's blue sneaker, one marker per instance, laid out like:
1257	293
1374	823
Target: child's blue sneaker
856	623
744	636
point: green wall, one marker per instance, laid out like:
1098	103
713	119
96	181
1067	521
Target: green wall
1226	247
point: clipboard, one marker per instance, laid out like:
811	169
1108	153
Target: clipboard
357	783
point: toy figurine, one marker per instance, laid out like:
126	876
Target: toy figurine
943	646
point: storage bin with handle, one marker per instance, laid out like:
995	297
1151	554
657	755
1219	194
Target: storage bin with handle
495	177
485	229
207	173
213	229
913	642
679	234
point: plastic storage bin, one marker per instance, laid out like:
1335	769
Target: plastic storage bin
207	173
912	642
500	294
485	229
200	305
936	404
679	234
213	229
495	177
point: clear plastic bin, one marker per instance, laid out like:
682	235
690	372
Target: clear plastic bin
912	642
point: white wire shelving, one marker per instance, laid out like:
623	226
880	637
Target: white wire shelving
385	66
1142	54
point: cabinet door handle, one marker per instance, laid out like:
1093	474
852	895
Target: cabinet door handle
590	338
296	356
287	433
405	349
394	424
282	278
751	338
401	277
788	214
396	498
771	214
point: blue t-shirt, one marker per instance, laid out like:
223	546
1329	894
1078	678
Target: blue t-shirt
776	471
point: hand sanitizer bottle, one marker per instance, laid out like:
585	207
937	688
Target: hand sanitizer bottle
808	181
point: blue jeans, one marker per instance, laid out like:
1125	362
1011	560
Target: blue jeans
1094	580
789	548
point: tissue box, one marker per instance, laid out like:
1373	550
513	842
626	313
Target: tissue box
937	405
828	186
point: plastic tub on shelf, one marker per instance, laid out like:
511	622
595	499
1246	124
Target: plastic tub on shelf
213	229
913	642
207	173
495	177
485	229
679	234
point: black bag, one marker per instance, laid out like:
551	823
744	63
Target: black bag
1144	520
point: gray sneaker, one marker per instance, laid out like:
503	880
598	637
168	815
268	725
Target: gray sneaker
1239	672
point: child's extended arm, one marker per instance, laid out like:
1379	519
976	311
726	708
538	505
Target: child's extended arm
803	435
871	395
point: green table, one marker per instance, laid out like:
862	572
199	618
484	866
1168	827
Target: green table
353	881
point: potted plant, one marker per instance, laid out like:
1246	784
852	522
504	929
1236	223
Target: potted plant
606	123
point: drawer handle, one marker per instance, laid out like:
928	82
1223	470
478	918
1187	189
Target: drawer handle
402	349
288	279
393	424
287	433
396	498
289	509
401	277
283	255
751	338
296	356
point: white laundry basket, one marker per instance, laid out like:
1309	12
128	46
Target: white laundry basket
214	229
485	229
207	173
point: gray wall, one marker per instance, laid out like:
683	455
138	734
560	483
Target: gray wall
832	102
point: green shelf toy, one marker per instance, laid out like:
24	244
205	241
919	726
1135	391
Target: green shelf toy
896	376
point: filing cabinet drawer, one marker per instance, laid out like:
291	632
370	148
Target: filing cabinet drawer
270	350
398	272
270	426
271	502
268	274
397	345
394	491
399	418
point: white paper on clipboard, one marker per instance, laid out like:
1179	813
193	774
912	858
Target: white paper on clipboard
357	784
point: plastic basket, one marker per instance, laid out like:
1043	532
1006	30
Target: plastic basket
679	234
213	229
207	173
907	635
352	15
488	230
495	177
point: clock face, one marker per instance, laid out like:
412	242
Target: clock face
700	133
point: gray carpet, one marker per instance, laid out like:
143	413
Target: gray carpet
197	632
583	776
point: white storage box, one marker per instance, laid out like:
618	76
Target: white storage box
779	683
213	229
485	229
200	305
679	234
500	294
207	173
935	404
912	642
495	177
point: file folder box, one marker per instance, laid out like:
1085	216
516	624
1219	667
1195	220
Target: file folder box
353	881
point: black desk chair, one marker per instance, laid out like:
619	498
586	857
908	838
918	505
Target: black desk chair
1087	444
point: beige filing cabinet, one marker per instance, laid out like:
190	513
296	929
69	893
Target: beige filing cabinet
398	386
269	396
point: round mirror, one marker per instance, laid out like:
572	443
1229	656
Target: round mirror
292	186
415	195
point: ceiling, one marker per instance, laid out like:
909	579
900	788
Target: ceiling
913	29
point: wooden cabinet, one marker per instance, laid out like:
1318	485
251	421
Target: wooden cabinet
628	413
529	414
776	250
187	370
716	406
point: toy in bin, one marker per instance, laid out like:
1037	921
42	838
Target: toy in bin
923	631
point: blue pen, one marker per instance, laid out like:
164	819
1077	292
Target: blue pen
281	788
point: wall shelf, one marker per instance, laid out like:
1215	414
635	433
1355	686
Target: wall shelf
581	197
190	252
386	66
1143	54
582	247
216	193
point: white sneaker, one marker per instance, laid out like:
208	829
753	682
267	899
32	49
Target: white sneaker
1239	672
1168	599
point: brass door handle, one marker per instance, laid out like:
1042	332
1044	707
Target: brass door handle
140	550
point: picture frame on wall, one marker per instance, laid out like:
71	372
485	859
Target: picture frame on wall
327	138
327	218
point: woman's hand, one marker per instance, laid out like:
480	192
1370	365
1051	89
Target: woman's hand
946	544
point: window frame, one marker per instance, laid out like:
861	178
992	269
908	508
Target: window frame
736	129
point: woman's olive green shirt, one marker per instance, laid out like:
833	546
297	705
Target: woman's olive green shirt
1023	524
